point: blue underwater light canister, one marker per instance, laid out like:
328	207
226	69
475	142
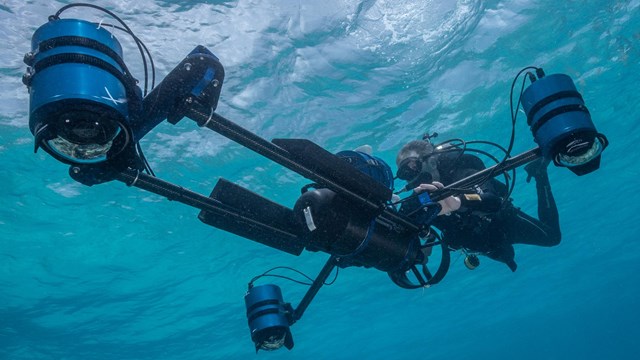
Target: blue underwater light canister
267	317
371	165
79	62
555	112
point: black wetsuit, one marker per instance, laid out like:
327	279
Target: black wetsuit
492	227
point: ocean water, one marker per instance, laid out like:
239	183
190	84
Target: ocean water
112	272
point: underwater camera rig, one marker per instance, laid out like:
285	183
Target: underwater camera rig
87	110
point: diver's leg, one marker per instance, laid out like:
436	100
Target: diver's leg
504	253
524	229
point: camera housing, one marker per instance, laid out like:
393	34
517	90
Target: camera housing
81	93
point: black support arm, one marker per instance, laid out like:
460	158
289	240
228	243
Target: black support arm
315	287
484	175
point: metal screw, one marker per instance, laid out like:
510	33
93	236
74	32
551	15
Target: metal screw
187	66
215	82
75	169
28	58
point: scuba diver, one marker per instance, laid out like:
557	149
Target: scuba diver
483	221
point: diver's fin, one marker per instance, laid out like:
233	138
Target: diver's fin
334	169
259	219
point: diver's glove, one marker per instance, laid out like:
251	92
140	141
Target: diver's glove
537	169
448	205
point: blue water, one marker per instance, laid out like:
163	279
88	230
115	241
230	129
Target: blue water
111	272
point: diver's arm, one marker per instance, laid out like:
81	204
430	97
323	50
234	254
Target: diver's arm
421	210
488	197
485	198
547	209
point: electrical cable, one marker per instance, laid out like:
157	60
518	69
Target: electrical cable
311	280
127	30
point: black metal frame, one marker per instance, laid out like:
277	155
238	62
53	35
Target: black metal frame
281	156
